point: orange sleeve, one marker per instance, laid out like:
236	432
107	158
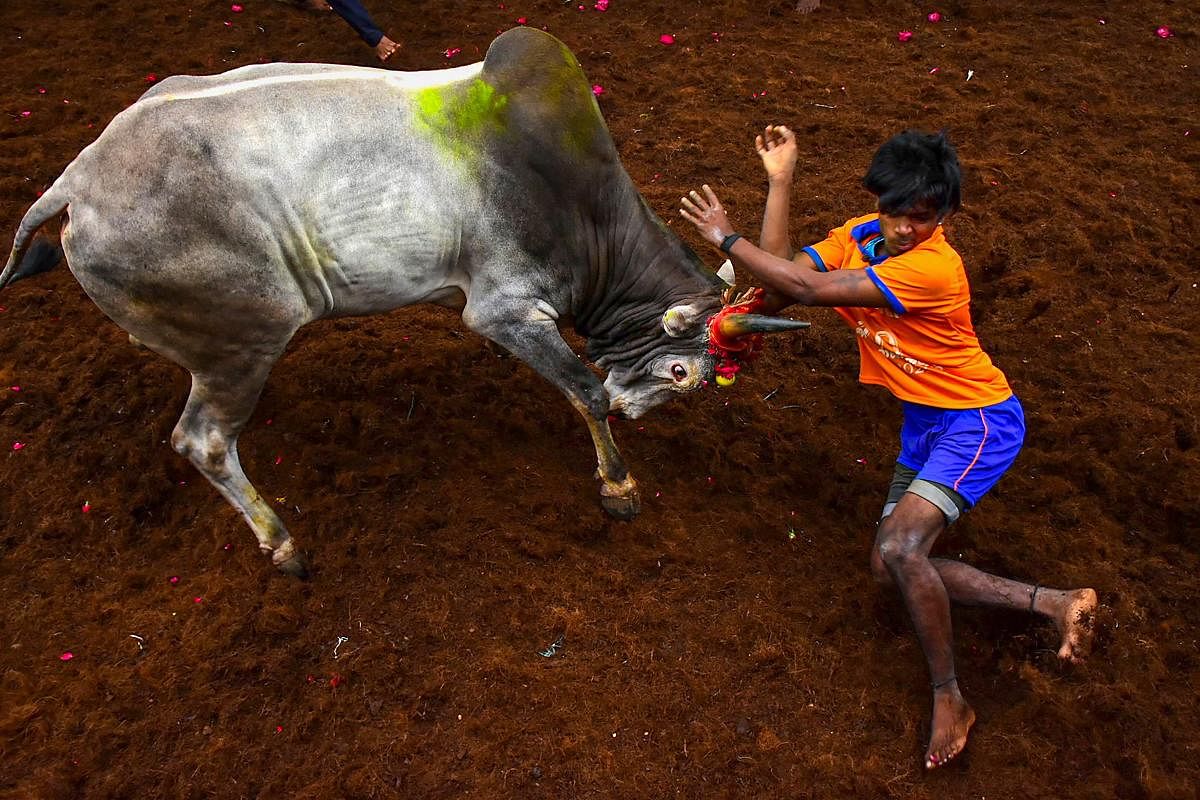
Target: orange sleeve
918	281
829	254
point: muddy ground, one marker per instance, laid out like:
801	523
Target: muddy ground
727	643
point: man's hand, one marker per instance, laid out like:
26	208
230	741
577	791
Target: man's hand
777	149
706	214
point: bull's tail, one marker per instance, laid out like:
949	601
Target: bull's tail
26	260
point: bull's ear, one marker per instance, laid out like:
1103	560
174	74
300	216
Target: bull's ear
678	320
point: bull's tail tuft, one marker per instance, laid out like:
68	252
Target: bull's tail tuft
25	259
42	256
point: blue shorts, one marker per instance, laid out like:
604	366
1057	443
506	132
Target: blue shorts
964	450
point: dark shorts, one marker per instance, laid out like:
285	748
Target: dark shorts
952	457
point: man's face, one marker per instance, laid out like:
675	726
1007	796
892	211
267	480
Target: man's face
907	229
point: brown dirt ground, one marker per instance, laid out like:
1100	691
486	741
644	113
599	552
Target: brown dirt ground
445	496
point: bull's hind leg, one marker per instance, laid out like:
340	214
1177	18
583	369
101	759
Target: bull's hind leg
216	411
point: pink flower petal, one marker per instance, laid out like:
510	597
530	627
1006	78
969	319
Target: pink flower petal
151	78
235	8
86	507
667	39
597	89
15	388
174	579
1163	32
67	656
904	36
522	20
934	17
18	445
26	113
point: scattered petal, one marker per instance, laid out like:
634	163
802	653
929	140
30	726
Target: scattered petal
26	113
601	5
860	461
67	656
667	39
522	20
935	70
227	547
197	599
228	24
86	507
18	445
597	89
934	17
1163	32
14	388
174	579
151	78
278	460
904	36
41	90
451	52
336	680
279	729
235	8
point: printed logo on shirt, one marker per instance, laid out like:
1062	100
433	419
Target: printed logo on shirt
889	348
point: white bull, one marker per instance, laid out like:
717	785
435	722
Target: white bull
217	215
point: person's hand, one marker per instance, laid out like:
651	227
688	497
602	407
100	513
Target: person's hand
776	147
706	214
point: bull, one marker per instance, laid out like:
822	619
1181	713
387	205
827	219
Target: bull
217	215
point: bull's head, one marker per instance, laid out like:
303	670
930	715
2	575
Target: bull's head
701	343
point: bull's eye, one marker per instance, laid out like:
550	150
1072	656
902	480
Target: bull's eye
678	372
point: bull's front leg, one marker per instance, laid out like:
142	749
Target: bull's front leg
532	336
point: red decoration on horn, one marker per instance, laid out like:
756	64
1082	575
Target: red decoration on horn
730	351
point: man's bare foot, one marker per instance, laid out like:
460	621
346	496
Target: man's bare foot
386	48
1074	620
805	6
952	721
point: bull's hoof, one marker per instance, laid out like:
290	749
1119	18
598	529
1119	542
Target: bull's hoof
621	501
289	561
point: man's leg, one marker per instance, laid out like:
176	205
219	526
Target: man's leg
901	552
1071	610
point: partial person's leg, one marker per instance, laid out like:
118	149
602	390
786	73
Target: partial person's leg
357	17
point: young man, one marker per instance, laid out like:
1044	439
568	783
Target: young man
902	288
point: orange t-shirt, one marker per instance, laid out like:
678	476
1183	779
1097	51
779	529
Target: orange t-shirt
922	348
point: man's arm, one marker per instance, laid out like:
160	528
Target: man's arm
796	280
777	149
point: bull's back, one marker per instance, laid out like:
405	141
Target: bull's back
320	175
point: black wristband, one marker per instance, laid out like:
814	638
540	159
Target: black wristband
728	241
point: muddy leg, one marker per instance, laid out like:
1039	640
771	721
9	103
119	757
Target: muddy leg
216	410
534	338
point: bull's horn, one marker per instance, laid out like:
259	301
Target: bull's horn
741	324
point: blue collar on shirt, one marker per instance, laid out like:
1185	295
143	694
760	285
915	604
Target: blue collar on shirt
869	238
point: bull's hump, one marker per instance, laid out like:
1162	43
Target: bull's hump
548	90
256	77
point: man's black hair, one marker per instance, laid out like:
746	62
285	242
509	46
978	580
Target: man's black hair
914	168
